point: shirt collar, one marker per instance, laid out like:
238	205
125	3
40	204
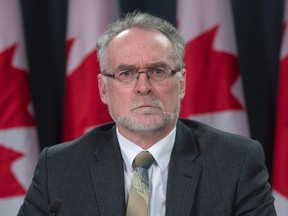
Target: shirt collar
161	150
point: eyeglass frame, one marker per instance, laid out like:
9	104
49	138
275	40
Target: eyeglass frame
139	71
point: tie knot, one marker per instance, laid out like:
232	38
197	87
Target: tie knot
143	159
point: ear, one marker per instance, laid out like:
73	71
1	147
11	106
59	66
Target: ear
102	88
183	83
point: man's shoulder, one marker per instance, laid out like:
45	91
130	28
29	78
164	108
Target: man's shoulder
207	136
202	129
87	142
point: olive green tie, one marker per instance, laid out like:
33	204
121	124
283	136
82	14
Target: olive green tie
138	200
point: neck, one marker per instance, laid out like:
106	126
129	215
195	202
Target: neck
145	139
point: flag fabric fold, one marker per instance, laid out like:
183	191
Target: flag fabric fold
83	108
214	93
280	162
18	138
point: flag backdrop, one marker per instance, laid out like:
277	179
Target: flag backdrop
214	88
83	108
18	142
280	165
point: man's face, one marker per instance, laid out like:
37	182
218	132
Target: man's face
144	106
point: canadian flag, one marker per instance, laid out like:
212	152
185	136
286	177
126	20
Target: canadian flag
280	165
87	19
18	142
214	92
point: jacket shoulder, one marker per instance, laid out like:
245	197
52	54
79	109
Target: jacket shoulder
87	142
208	137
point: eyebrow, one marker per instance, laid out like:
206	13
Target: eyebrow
156	64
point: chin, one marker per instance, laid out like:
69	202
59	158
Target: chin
146	123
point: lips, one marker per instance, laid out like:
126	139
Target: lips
146	110
146	107
147	103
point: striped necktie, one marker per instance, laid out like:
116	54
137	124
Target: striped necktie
138	200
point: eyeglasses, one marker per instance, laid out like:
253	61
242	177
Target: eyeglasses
154	74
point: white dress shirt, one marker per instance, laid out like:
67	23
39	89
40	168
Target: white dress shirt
158	172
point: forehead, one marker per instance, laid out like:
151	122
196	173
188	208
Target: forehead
139	45
151	35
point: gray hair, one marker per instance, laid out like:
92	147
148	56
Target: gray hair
143	21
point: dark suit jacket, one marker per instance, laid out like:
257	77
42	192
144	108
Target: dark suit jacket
210	173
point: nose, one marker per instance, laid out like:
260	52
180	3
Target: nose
143	72
143	85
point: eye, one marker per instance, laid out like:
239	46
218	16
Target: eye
126	74
158	72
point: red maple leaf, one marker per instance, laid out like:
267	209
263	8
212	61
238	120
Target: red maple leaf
210	76
9	184
15	94
83	106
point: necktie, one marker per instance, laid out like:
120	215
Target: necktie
138	200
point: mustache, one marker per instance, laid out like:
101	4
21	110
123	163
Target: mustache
145	101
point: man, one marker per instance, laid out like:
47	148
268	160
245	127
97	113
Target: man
197	170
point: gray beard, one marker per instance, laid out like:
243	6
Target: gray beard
158	123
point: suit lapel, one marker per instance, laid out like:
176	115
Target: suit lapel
183	175
107	176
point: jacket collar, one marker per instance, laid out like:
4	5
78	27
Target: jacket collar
184	173
107	175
